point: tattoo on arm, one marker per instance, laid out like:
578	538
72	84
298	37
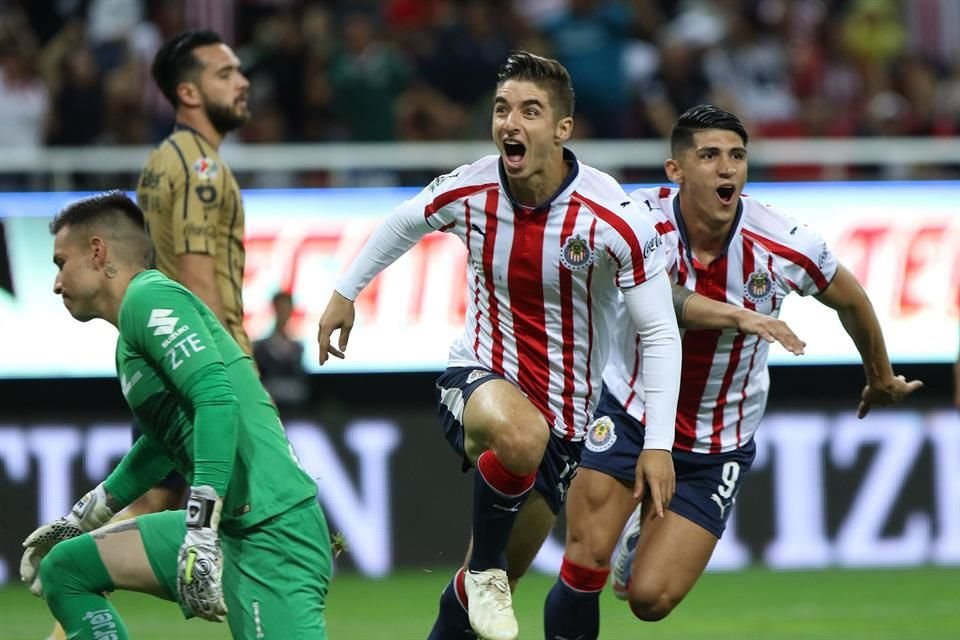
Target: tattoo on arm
119	527
680	298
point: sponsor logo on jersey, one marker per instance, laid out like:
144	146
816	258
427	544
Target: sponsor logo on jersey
162	322
651	246
206	168
822	258
127	384
206	193
173	336
477	374
601	435
576	253
758	287
441	179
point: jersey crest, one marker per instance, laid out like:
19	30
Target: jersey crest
576	254
758	287
601	435
206	168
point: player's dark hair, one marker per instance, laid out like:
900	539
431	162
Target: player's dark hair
546	72
175	61
113	214
700	118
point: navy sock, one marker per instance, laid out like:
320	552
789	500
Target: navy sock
452	621
572	608
498	495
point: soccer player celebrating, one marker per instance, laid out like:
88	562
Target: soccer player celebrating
203	412
550	241
730	248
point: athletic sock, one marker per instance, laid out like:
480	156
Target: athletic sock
572	608
498	494
74	579
452	622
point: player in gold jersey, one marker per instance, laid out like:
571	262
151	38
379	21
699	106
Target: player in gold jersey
189	195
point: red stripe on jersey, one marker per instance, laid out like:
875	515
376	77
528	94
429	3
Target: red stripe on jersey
623	228
664	193
793	256
665	227
721	403
447	197
634	373
525	284
699	347
589	395
566	320
749	265
489	242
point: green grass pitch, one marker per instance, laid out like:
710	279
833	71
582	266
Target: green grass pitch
907	604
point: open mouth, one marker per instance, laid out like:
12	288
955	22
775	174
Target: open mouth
514	152
725	193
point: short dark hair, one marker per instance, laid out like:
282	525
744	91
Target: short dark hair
175	61
114	214
700	118
553	76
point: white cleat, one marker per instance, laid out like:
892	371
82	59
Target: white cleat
622	564
489	605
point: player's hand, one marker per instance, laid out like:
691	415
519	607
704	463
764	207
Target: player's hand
655	470
339	314
884	394
200	561
89	513
770	329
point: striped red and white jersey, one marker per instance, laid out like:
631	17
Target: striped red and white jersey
542	283
724	376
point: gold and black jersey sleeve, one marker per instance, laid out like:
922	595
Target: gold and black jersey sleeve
192	204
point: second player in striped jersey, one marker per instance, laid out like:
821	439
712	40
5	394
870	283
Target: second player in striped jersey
730	248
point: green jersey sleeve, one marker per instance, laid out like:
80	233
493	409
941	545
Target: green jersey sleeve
143	466
172	329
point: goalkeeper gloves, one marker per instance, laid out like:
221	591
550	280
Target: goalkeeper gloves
200	561
89	513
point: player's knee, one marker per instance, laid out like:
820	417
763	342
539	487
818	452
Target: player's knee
651	603
520	447
56	570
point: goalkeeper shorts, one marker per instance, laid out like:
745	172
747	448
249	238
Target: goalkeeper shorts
275	575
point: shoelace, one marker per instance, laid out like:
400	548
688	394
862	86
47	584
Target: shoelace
503	598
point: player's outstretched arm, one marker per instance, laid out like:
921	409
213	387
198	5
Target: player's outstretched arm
338	316
695	311
847	297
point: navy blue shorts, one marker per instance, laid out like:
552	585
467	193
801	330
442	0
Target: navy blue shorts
173	480
560	460
707	485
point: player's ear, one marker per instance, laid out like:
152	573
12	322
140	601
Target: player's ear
188	94
563	130
98	252
674	173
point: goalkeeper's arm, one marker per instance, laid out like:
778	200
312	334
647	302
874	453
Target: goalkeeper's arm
144	465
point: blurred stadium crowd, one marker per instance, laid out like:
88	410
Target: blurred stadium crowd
76	72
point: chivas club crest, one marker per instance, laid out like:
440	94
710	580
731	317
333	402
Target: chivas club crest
601	435
758	287
576	254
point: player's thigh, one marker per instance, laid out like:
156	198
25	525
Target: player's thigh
497	411
134	550
671	555
534	523
598	506
277	576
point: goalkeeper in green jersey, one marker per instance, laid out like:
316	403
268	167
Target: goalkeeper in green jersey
252	546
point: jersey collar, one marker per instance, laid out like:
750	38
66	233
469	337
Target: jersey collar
682	228
568	157
179	126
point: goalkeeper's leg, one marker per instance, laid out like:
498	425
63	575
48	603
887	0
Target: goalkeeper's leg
77	572
169	494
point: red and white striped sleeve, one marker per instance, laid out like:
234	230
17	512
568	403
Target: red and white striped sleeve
398	233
